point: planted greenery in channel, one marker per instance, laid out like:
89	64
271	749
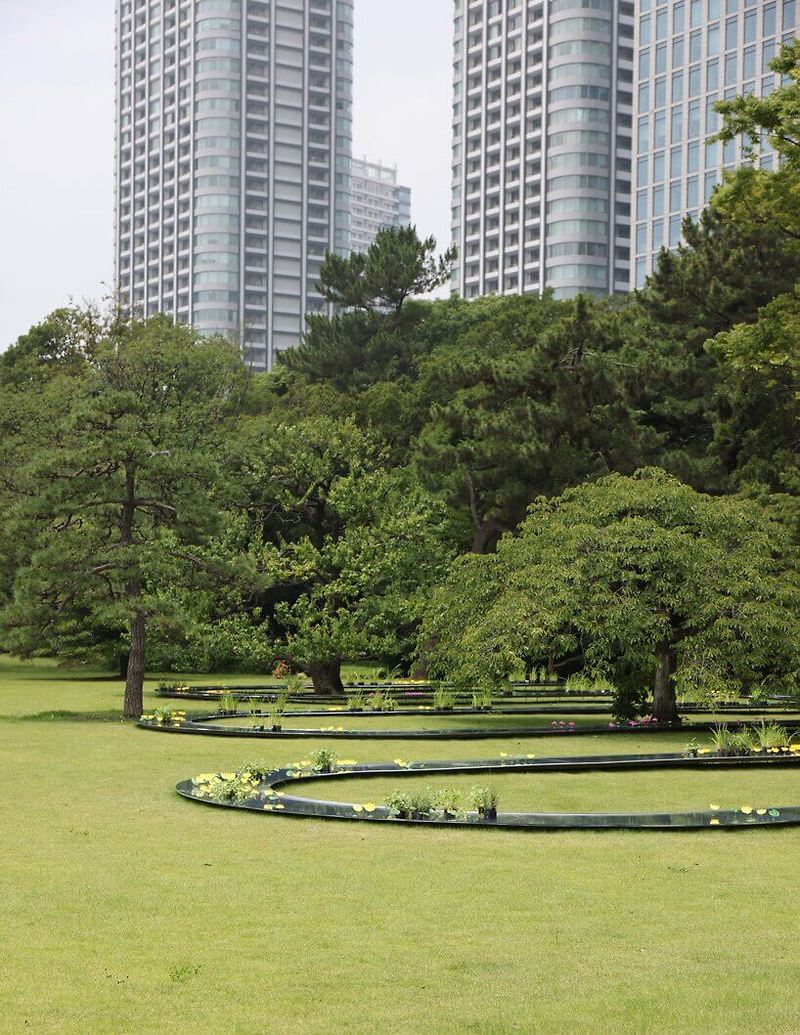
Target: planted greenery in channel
427	803
236	787
762	739
418	804
483	700
165	717
324	760
444	700
484	800
275	713
382	701
228	703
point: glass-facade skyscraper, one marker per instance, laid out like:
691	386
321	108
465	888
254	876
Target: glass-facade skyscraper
542	149
234	139
691	54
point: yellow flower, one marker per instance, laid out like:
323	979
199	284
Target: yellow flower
347	761
714	808
399	761
504	754
704	751
369	806
530	756
747	809
358	808
714	823
761	812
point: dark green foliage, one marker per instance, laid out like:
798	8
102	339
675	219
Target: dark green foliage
116	485
397	266
645	579
776	115
346	548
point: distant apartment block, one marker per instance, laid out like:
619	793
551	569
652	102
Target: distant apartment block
689	55
377	201
542	158
233	150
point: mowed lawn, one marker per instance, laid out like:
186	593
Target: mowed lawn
127	909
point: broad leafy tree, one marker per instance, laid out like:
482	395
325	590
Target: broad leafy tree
643	578
345	548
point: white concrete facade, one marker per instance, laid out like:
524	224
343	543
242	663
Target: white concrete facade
378	201
542	124
233	151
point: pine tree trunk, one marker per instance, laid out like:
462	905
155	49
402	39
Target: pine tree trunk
480	539
665	705
134	681
327	678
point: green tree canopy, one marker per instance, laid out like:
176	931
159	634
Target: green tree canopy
397	265
371	336
644	579
345	548
116	485
758	409
528	403
774	117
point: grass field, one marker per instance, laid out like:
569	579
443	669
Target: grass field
126	909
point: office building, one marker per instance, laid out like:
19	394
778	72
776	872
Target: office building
233	161
691	54
542	124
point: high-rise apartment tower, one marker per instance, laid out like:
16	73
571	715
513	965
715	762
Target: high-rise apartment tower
377	201
542	122
234	130
691	54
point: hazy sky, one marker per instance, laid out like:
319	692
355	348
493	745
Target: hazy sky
57	133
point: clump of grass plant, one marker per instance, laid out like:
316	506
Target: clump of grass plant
418	804
484	800
444	700
165	717
228	703
483	699
324	760
275	713
381	701
771	736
